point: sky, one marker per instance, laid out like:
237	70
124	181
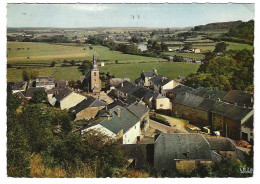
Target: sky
124	15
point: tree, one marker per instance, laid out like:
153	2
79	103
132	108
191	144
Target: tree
39	96
116	61
73	63
178	59
220	47
26	76
53	63
187	46
164	46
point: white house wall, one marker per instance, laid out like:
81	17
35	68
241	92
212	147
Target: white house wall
130	137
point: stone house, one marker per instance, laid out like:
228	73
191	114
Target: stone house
118	123
113	82
223	146
87	109
181	151
228	119
142	112
17	86
45	82
185	105
209	93
65	98
162	84
172	93
144	79
122	90
239	98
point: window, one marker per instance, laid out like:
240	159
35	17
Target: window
135	127
95	74
161	105
251	134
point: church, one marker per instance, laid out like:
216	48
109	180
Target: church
92	79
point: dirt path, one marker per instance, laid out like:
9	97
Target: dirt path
175	122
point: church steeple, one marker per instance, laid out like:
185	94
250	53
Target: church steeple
94	63
94	60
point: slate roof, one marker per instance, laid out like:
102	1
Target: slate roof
134	89
16	85
125	87
188	100
180	89
160	80
139	80
44	81
29	92
126	120
239	97
138	109
148	74
176	145
231	111
88	102
141	92
151	94
131	99
62	93
61	83
207	104
221	144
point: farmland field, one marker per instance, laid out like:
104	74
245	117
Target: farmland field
231	45
133	71
47	52
68	73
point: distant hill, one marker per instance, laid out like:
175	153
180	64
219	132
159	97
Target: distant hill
244	31
217	25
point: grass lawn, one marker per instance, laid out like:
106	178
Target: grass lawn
133	71
186	55
231	45
48	52
68	73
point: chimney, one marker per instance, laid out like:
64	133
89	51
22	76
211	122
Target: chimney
122	85
118	112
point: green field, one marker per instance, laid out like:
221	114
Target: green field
47	52
133	71
68	73
231	45
186	55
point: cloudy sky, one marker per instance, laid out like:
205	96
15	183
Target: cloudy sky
124	15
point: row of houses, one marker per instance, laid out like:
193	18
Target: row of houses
181	151
60	96
231	112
